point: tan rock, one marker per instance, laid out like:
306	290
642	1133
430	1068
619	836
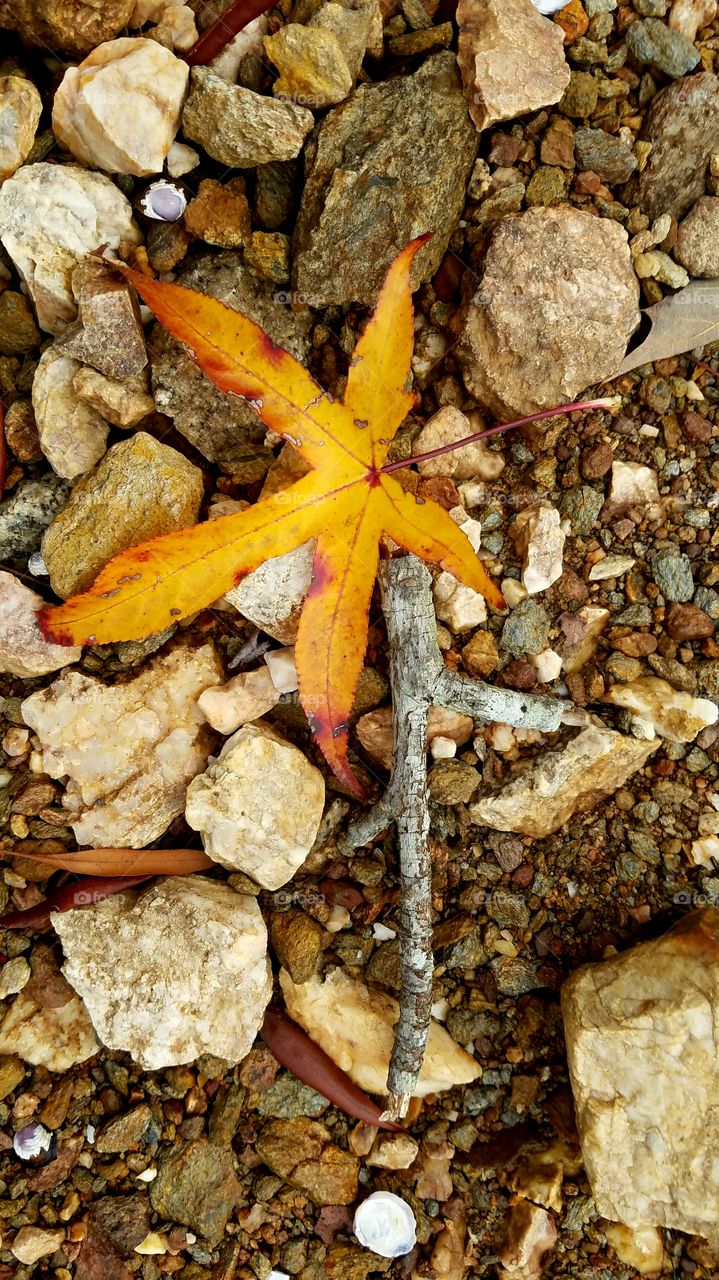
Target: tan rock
122	401
244	698
511	59
574	274
351	26
240	128
639	1247
272	596
71	27
301	1151
220	213
539	538
128	750
633	484
473	461
258	806
32	1243
54	1037
51	216
674	715
172	971
120	109
173	18
530	1239
313	69
687	16
374	731
582	631
20	111
558	784
73	435
459	606
23	650
642	1047
109	333
393	1151
355	1027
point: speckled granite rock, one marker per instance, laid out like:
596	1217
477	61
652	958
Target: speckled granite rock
28	511
511	59
376	176
642	1045
682	125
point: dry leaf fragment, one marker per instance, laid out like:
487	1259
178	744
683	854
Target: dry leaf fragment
680	322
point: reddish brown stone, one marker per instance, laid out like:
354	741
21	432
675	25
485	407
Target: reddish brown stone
636	644
695	428
688	622
596	460
520	674
504	150
441	489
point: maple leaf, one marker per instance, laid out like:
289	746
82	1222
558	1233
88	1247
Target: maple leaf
347	502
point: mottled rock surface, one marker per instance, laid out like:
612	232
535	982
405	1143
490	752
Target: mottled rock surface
239	127
272	596
548	273
641	1039
23	651
128	750
301	1151
51	216
558	784
141	489
682	124
171	972
196	1184
376	177
56	1036
65	27
245	697
313	69
20	111
28	511
511	59
73	435
674	715
651	41
697	246
108	334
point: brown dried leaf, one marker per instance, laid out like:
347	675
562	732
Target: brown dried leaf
126	862
681	322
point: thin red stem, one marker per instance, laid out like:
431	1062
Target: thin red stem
3	450
495	431
224	29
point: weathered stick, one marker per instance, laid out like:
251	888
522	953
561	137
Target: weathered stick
420	680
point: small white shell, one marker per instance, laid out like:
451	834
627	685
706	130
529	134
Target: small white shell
386	1224
164	201
549	6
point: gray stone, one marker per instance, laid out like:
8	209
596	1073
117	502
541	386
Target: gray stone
241	128
226	429
652	42
377	175
26	514
526	630
697	246
682	125
672	573
288	1098
581	508
608	157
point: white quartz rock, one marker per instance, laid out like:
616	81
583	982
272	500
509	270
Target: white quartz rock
129	750
119	110
51	216
633	484
539	538
171	972
676	716
258	806
272	596
23	650
20	111
246	697
175	18
73	435
354	1025
641	1032
641	1247
459	606
56	1038
473	461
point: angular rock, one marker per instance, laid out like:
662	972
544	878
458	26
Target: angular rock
688	622
377	176
196	1184
109	333
51	216
301	1151
171	972
697	246
526	630
296	939
539	539
354	1025
122	401
73	436
605	155
458	606
120	109
23	650
687	16
676	716
582	631
140	490
374	731
226	429
241	128
652	42
18	331
351	26
32	1243
20	111
56	1037
574	273
124	1133
682	125
71	27
530	1239
641	1041
561	783
511	59
220	214
258	806
128	750
313	70
473	462
26	514
272	596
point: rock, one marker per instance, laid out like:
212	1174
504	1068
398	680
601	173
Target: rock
109	333
474	461
258	806
176	21
297	939
196	1184
539	539
226	429
156	966
313	69
128	750
140	490
574	272
511	59
351	28
125	1133
220	214
26	514
633	484
687	16
21	431
582	631
32	1243
530	1239
374	731
642	1248
18	331
268	254
301	1151
376	178
240	128
526	630
640	1032
580	97
676	716
659	266
607	156
682	125
12	1072
460	607
123	1220
651	41
481	656
452	781
23	650
697	246
71	27
72	434
56	1037
272	596
20	111
672	573
688	622
246	697
354	1025
120	109
51	216
122	401
14	975
558	784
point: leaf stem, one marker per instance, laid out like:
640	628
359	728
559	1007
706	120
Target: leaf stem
607	403
224	29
